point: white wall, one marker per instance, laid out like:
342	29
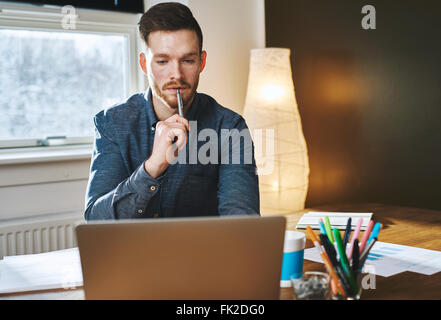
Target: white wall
231	28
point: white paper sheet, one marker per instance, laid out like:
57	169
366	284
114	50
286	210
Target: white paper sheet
388	259
337	219
51	270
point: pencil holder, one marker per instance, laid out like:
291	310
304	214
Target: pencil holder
349	296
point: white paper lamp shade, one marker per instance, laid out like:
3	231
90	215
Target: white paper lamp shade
273	118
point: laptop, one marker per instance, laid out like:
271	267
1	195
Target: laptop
207	258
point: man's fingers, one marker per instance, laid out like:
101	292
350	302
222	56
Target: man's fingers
180	134
171	153
163	127
176	118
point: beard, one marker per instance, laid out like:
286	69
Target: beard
171	100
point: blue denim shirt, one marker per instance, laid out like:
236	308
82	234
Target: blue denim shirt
120	188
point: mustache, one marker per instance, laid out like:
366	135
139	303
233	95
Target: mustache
175	84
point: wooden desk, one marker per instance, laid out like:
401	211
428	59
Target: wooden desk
407	226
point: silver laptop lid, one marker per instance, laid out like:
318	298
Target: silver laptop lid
183	258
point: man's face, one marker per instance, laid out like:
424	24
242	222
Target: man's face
173	61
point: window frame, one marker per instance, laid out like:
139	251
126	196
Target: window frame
49	18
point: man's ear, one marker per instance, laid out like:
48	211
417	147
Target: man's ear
203	59
142	62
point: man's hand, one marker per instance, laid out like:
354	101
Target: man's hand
165	148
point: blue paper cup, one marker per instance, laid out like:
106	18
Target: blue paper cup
293	252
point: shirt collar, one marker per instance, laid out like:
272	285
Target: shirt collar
151	116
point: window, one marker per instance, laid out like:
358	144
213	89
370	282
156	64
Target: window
53	81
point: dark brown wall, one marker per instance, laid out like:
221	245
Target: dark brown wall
370	101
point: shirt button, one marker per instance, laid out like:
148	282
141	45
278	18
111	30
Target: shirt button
155	215
140	211
153	129
153	188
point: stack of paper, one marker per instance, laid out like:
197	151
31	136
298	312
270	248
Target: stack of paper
388	259
51	270
338	220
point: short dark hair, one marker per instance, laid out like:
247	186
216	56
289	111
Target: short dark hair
168	16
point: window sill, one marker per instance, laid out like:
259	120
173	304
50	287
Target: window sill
45	154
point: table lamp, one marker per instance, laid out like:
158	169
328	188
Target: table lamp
273	118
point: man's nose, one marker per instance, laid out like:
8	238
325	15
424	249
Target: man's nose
176	72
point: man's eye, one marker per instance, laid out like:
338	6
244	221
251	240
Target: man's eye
189	61
161	61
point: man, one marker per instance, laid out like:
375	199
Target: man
136	170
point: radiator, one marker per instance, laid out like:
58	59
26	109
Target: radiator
38	234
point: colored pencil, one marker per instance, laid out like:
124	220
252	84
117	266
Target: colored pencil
375	232
328	229
365	253
355	236
347	233
366	235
